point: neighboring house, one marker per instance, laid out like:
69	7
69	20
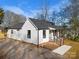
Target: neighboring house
33	31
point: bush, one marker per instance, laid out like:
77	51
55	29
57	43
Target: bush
69	36
76	38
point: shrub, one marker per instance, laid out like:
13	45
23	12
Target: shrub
76	38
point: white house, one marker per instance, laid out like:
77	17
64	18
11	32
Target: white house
33	31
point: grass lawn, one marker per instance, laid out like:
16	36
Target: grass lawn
73	53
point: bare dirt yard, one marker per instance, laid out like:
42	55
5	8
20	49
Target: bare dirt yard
2	35
73	53
13	49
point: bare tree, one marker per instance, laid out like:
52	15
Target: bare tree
1	15
74	12
71	12
44	10
11	19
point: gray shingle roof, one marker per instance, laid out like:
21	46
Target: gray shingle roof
17	26
42	24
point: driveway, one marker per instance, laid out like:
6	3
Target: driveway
13	49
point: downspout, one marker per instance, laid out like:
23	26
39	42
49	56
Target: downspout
38	38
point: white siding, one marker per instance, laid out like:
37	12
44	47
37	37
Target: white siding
9	33
41	39
14	35
22	33
28	26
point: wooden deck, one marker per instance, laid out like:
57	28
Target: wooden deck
12	49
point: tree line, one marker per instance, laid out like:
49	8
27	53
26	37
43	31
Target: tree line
67	17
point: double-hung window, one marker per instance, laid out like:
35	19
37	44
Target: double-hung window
29	34
11	31
44	33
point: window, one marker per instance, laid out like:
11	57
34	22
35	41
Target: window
29	34
44	34
11	31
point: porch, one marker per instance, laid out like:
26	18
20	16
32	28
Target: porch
55	39
53	44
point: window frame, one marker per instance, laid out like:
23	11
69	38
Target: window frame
29	34
11	31
44	33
